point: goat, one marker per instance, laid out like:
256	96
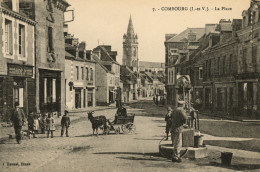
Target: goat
97	122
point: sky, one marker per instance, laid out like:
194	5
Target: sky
99	22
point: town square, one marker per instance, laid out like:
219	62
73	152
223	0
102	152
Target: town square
114	85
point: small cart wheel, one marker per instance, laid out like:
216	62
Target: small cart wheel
123	127
118	130
130	128
106	131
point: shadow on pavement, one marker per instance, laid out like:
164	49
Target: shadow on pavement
148	156
236	167
229	128
249	145
145	139
89	135
148	108
160	121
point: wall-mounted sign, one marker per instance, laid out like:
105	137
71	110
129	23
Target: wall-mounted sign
20	70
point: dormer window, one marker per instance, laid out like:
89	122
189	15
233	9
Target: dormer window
192	37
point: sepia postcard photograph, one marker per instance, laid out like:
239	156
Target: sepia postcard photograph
129	85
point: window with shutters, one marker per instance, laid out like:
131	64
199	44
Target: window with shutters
87	77
244	58
82	73
230	63
254	54
21	40
218	66
224	65
8	37
200	72
77	72
209	66
91	74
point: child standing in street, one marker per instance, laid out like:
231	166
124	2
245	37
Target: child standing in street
50	127
36	125
31	124
43	123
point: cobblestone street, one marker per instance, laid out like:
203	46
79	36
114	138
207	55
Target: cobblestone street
123	152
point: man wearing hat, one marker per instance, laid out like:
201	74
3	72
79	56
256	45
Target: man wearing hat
65	123
18	119
178	120
168	119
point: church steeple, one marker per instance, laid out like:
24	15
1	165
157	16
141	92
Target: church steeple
130	29
130	47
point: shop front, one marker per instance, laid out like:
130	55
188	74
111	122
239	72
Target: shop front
50	91
17	86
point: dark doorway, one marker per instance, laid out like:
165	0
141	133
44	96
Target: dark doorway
219	99
207	98
90	98
77	98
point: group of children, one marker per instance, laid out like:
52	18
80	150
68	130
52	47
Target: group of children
38	122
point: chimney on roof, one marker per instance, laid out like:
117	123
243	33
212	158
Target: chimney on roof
88	54
77	52
209	28
15	5
236	25
97	52
82	50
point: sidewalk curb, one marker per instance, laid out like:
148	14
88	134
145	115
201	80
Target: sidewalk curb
93	109
229	118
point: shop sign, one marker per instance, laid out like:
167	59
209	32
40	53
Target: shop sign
20	70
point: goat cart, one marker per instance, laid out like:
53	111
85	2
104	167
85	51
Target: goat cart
123	123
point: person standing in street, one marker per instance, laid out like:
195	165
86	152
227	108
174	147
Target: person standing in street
168	120
31	124
65	123
50	127
178	120
18	119
42	122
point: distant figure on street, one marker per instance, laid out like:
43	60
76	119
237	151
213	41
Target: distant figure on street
168	120
121	111
50	127
65	123
43	123
178	120
18	119
31	124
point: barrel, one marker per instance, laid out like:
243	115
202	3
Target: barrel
226	158
198	141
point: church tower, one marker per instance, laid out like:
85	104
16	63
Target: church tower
130	47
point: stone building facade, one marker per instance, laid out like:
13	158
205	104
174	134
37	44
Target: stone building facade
17	74
178	48
50	61
225	68
80	79
107	74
